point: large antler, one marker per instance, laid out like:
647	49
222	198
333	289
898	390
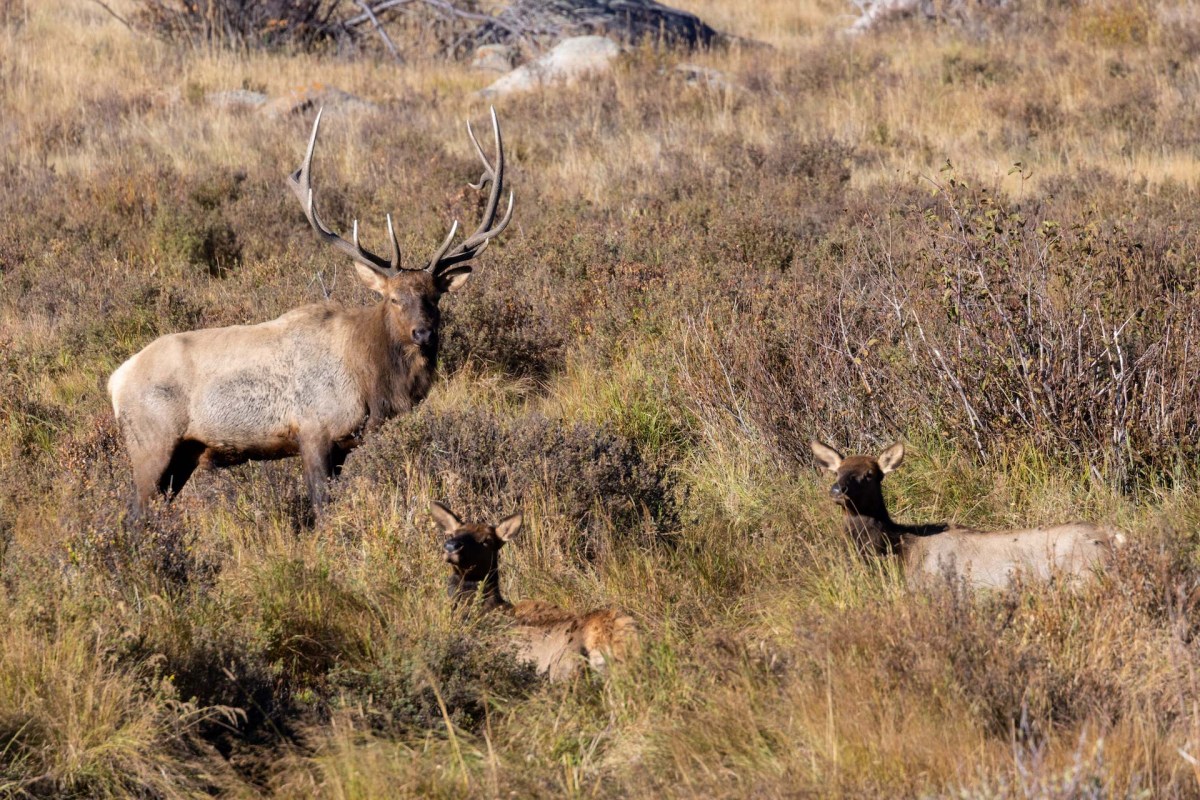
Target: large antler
445	258
473	245
301	183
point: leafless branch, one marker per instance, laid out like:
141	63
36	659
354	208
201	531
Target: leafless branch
115	15
387	40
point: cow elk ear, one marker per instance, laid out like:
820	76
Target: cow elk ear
891	458
827	457
509	527
452	279
444	517
371	279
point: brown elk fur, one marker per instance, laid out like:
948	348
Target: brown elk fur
982	558
309	383
557	642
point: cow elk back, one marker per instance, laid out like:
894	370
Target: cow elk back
981	558
557	642
310	383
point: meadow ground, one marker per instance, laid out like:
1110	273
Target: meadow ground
978	237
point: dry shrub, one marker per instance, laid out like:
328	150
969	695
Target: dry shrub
301	24
994	321
12	13
976	67
1118	23
485	464
1024	662
197	236
1028	112
501	328
422	679
1129	106
190	220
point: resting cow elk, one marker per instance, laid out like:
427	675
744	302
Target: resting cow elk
309	383
557	642
981	558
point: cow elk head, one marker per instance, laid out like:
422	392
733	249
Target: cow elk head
473	550
858	487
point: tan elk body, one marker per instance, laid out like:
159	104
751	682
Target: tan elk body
308	383
557	642
926	552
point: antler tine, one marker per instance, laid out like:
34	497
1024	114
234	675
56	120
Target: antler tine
473	245
300	182
497	176
395	246
437	257
487	165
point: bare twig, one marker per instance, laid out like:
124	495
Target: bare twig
115	15
370	13
387	40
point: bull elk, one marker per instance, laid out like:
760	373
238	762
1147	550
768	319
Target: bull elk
981	558
309	383
555	641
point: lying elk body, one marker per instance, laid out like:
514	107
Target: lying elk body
556	641
309	383
982	558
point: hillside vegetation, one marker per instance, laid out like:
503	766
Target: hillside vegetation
976	236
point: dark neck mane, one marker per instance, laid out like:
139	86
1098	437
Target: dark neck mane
462	590
877	535
394	373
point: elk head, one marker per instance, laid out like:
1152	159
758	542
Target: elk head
473	550
859	484
410	295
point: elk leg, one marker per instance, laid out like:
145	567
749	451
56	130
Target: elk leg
317	455
148	470
184	460
162	472
337	459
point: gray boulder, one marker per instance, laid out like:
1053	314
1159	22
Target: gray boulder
704	77
316	95
567	61
494	58
236	100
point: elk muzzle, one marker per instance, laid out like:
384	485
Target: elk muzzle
452	548
422	336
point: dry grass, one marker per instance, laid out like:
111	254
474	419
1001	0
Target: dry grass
695	283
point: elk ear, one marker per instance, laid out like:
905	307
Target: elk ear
509	527
827	457
444	517
891	458
452	278
371	279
